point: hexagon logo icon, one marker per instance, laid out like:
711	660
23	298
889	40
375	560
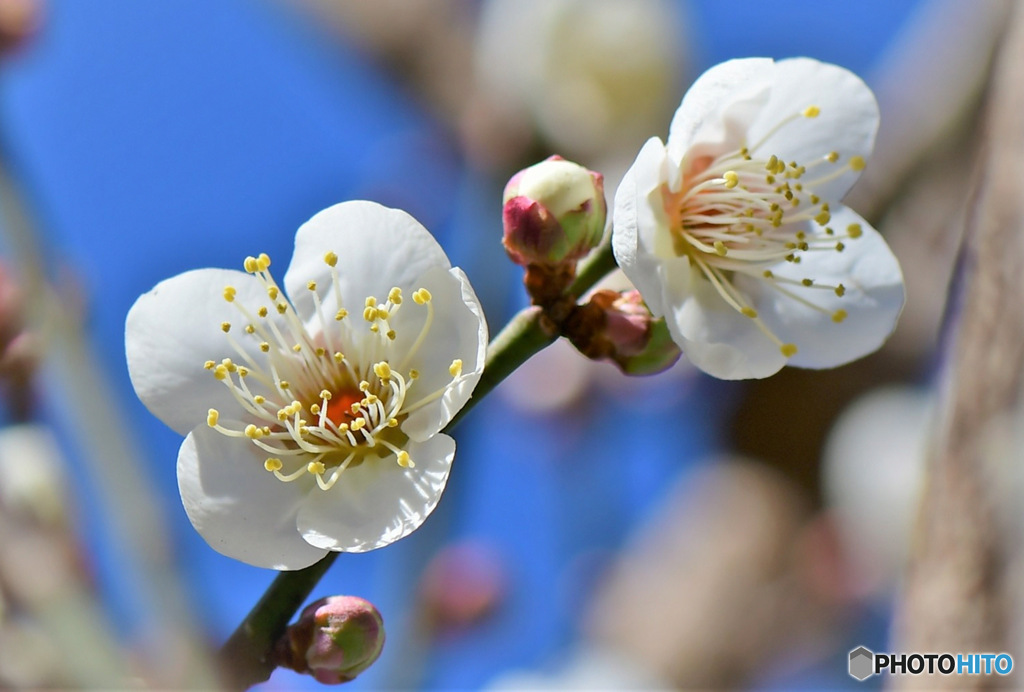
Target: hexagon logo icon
862	663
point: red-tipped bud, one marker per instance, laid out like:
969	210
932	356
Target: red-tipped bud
554	213
334	640
619	327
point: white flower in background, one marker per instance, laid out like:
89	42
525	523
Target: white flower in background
594	76
734	232
313	412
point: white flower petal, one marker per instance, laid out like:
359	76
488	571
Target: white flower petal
640	229
873	299
176	327
719	108
711	333
378	502
241	510
377	247
847	123
458	331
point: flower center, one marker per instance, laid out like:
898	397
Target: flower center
741	213
326	396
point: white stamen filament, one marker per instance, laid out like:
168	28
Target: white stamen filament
743	213
316	406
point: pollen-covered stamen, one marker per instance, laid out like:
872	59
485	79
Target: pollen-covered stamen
743	212
313	410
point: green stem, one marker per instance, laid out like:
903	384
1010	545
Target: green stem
246	654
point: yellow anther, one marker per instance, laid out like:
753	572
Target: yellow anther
251	265
857	163
382	370
320	352
455	369
812	112
823	218
392	422
225	327
364	386
242	371
768	274
250	329
316	467
840	247
325	394
209	365
815	199
838	316
749	312
833	156
391	334
282	414
229	293
370	302
369	314
854	230
807	282
802	245
338	356
788	350
840	290
331	259
343	428
395	296
382	314
212	416
284	384
265	347
314	409
272	464
422	296
311	285
262	312
720	248
282	308
252	432
220	372
297	348
404	460
259	399
229	365
358	423
264	261
341	314
375	329
731	179
371	399
273	292
414	374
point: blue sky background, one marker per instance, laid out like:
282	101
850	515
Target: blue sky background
156	137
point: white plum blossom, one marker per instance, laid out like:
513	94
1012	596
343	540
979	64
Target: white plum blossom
313	411
734	232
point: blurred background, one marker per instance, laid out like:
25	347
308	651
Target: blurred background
597	530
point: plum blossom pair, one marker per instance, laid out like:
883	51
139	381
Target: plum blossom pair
313	411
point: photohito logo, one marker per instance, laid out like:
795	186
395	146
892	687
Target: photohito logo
864	663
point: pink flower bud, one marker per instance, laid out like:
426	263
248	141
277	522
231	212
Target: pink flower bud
334	640
554	213
619	327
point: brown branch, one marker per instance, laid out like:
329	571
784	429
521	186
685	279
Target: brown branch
955	597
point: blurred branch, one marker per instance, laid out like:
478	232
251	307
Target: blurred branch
100	432
955	596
